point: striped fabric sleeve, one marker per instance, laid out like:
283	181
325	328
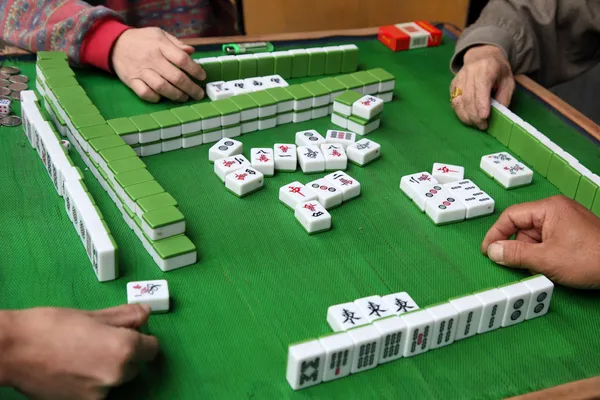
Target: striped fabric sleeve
56	25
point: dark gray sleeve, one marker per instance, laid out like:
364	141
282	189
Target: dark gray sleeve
553	40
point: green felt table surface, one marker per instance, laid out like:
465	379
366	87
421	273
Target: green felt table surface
261	283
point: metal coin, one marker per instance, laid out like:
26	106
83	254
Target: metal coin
4	83
16	95
4	91
18	78
10	121
18	86
10	70
4	76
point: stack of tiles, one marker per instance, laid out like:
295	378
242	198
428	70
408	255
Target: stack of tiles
357	113
312	201
506	170
68	182
111	148
376	330
222	90
298	63
445	196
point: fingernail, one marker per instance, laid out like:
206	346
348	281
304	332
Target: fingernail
496	253
146	307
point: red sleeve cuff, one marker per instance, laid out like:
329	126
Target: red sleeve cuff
99	41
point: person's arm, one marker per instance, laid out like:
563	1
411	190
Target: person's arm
557	237
70	354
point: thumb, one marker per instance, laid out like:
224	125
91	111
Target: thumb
518	254
505	90
125	316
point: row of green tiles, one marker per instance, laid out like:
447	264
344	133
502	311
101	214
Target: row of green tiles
83	113
160	207
287	64
544	161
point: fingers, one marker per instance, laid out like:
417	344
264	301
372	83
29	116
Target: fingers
505	90
470	102
143	91
126	316
518	254
146	347
161	86
466	105
526	216
180	80
182	60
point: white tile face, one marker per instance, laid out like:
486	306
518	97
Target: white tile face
445	208
301	116
218	90
153	293
172	132
363	152
339	350
230	164
249	114
367	344
335	156
491	162
285	106
519	297
409	183
267	111
494	306
342	108
373	307
478	203
305	364
238	86
340	137
445	318
311	159
339	121
514	175
256	84
387	86
320	101
192	141
328	195
393	338
244	181
386	97
313	216
286	158
446	173
319	112
262	159
295	193
541	293
232	131
212	137
172	144
309	138
461	188
469	316
267	123
286	118
350	186
151	149
231	119
276	81
303	105
367	107
363	129
342	317
419	331
249	126
224	148
400	303
425	193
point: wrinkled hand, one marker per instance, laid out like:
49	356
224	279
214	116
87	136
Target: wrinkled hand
556	236
154	63
485	69
57	353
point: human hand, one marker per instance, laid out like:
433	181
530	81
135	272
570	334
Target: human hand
556	237
485	68
56	353
154	63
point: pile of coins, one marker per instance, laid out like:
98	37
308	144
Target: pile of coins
11	85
